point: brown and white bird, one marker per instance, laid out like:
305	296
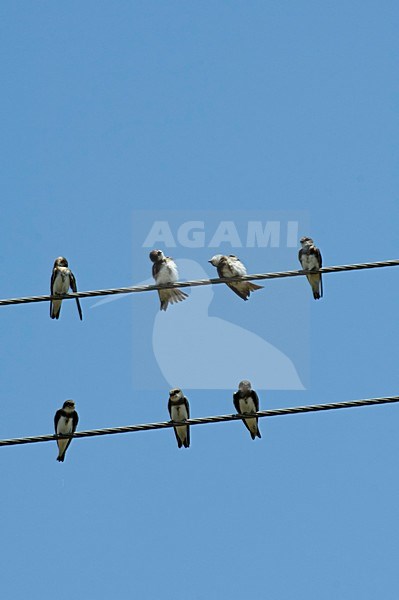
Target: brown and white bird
310	259
179	410
65	421
62	279
246	401
231	266
164	270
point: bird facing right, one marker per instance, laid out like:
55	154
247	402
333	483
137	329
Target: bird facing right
310	258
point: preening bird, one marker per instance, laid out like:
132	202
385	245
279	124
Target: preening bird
164	270
62	279
231	266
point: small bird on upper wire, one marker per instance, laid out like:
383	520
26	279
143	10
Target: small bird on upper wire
246	401
231	266
164	270
310	259
179	410
65	421
62	279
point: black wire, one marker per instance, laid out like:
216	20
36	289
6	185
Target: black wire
276	412
199	282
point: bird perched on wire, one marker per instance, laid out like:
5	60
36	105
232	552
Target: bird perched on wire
246	401
62	279
231	266
65	421
164	270
310	259
179	410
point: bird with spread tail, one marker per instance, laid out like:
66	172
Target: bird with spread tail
179	410
65	422
246	401
310	259
62	279
164	270
231	266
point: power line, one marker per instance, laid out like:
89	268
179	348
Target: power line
199	282
276	412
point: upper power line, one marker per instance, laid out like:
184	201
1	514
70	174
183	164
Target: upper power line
199	282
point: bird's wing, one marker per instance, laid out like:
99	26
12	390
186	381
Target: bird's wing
220	271
255	398
75	421
300	256
53	274
317	254
188	426
186	404
236	290
72	283
236	401
57	417
320	261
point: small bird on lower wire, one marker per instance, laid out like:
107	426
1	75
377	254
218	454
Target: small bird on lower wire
179	410
310	259
65	421
246	401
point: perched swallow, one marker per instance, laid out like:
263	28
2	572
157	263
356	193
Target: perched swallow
65	421
164	270
179	410
310	259
231	266
62	279
246	401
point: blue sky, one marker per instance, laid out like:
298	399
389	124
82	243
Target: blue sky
109	108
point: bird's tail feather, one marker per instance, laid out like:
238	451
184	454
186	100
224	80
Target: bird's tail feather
79	309
55	309
171	297
316	285
254	286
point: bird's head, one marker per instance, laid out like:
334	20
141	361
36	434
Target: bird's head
69	405
61	261
175	394
244	386
306	241
215	260
156	255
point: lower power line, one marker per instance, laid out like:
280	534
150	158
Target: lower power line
275	412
